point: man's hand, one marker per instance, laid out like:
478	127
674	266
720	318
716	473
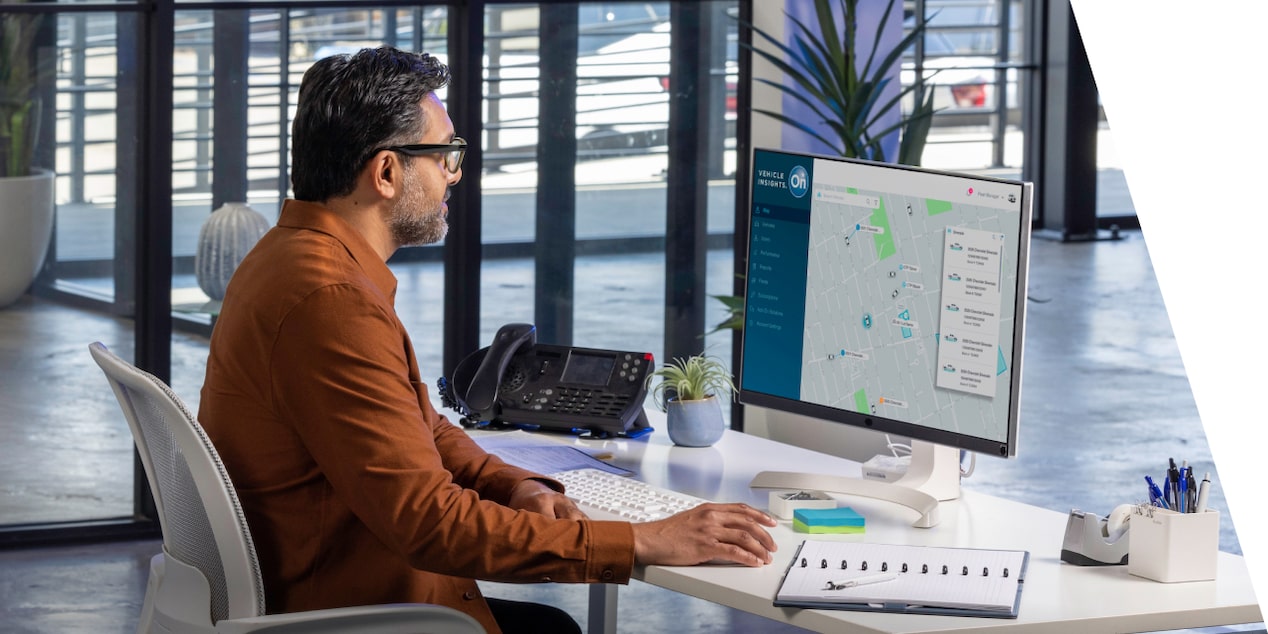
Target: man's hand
731	532
536	496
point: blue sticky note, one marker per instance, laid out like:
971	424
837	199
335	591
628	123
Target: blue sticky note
843	516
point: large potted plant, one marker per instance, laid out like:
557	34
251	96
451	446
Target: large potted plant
848	91
26	191
688	393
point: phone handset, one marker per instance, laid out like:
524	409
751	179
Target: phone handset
482	395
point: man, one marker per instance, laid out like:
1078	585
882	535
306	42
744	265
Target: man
356	490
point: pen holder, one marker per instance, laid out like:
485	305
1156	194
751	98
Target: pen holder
1168	546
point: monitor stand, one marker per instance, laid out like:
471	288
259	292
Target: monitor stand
934	475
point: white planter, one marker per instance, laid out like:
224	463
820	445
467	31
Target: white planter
26	229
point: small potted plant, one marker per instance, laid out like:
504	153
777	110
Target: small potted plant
688	393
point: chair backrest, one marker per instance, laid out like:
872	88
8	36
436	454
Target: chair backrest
202	521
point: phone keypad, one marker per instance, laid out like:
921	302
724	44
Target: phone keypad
593	401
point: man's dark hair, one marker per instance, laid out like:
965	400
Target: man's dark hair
351	105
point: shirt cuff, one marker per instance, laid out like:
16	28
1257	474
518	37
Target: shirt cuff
611	556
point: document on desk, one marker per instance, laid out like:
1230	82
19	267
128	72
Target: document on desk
910	579
543	456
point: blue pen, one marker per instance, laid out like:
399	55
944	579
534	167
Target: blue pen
1191	501
1184	491
1155	494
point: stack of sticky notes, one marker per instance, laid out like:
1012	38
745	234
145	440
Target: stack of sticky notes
839	520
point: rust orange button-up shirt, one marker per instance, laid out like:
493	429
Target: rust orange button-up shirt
356	490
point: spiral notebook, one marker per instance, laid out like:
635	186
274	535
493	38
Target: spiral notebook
909	579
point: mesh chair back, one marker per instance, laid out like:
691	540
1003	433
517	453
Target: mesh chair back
202	521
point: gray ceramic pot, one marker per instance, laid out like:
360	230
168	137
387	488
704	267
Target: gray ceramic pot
695	423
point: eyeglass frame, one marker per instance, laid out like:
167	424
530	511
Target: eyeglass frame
457	146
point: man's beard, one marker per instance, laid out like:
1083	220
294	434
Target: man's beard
414	220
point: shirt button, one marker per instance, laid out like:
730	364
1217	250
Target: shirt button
469	595
607	575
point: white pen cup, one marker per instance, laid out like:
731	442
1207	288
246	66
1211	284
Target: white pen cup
1168	546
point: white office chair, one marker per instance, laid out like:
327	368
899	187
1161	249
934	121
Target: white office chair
207	579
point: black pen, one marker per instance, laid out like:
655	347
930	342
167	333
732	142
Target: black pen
1173	485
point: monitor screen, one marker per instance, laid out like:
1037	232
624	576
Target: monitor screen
888	297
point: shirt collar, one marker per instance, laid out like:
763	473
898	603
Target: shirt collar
298	214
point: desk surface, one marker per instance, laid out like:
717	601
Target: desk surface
1056	595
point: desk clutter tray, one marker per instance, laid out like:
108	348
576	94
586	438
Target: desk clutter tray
910	579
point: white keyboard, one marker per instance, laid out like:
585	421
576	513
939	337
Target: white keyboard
608	496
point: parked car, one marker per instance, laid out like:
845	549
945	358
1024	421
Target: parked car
961	57
623	90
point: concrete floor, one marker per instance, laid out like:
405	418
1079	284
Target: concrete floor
1102	373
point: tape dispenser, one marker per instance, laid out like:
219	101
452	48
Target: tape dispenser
1095	541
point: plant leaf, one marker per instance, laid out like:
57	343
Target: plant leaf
732	302
804	128
807	83
835	79
837	56
912	145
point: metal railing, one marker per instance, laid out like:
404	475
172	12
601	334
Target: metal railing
282	43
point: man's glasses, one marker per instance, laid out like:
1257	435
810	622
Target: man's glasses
453	151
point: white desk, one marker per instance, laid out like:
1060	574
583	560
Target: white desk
1058	597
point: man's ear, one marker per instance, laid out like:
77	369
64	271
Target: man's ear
385	174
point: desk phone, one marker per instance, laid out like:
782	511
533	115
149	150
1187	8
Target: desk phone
517	381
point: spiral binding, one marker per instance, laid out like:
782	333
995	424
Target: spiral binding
924	568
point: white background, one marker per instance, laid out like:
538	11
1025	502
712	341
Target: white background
1183	88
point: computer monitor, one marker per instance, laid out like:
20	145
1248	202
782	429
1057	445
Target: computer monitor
892	298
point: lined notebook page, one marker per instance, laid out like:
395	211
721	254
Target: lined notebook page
974	579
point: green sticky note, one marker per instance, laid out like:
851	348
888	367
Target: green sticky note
821	529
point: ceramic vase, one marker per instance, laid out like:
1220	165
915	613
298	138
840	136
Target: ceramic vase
229	233
696	423
26	229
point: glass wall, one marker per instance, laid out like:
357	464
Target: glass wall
230	95
973	58
236	78
585	114
1113	199
65	451
604	186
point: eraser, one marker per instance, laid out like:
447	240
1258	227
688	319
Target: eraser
836	520
783	503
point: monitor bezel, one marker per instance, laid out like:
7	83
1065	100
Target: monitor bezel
1004	449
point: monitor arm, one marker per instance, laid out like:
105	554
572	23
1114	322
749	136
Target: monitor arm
934	475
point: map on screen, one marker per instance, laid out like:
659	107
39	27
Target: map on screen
898	287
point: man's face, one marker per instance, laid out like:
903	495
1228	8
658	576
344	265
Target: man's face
418	216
